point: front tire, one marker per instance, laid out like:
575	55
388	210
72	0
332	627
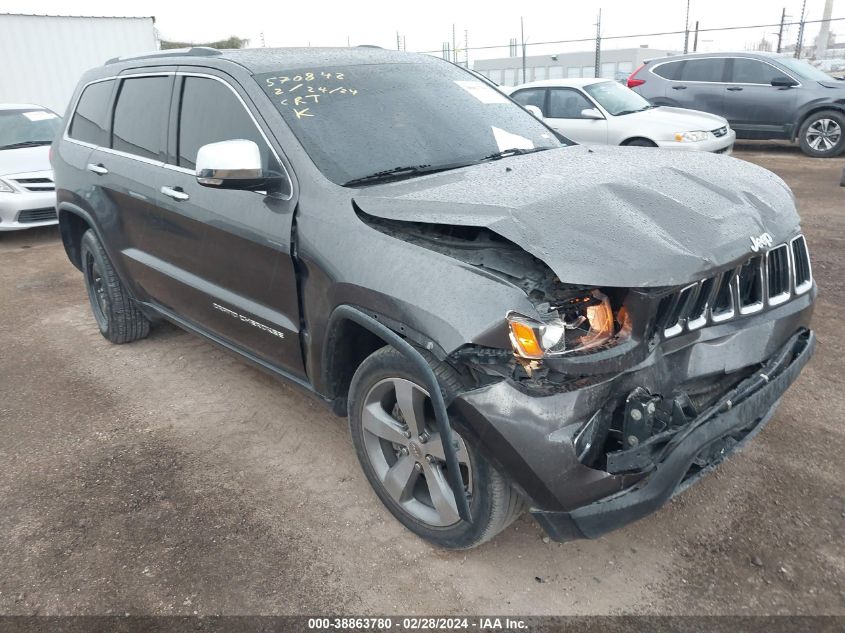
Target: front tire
395	437
639	142
119	320
822	135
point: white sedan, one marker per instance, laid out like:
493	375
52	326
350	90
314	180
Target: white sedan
600	111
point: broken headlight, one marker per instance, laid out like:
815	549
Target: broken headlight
578	324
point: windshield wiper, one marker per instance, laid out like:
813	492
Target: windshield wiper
623	112
394	173
25	144
514	151
397	173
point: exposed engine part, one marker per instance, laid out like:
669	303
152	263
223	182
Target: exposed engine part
481	247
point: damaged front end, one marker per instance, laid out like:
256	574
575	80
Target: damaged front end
600	402
614	400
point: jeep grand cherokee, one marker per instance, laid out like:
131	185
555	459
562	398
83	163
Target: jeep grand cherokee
507	319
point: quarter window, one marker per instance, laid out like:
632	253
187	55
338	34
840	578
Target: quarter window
90	120
672	70
567	104
751	71
140	116
710	70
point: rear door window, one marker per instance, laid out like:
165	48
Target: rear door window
752	71
140	116
532	96
710	70
90	120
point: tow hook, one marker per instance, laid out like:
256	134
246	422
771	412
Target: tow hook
640	407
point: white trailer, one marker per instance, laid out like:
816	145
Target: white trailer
44	55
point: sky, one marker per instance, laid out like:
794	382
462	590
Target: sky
425	26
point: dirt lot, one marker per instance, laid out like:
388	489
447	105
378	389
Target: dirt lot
167	477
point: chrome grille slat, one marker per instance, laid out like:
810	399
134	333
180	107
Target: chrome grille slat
762	281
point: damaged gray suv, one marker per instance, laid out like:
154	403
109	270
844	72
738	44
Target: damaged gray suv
508	320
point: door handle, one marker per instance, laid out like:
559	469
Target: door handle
175	193
734	88
679	87
97	169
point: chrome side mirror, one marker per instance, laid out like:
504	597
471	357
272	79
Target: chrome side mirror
537	112
591	113
234	164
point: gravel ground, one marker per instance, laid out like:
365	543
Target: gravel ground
167	477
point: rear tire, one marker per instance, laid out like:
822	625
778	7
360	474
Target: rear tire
822	135
119	320
378	426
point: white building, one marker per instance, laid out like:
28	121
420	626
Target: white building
44	55
615	64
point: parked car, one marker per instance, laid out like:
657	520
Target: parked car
508	320
27	193
606	112
762	95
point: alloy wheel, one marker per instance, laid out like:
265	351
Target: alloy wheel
823	135
406	451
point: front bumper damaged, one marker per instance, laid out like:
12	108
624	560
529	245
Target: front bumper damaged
532	438
711	442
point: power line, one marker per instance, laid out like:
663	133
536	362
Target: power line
622	37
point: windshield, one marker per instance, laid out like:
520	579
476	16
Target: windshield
359	120
616	98
25	128
803	69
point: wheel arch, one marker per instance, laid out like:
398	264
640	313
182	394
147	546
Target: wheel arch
352	334
631	139
73	223
814	109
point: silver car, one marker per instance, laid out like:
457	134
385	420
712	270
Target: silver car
604	112
27	192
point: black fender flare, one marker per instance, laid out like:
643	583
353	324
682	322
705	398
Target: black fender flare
69	207
438	404
811	109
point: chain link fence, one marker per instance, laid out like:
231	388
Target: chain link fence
616	56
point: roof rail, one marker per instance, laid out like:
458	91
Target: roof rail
193	51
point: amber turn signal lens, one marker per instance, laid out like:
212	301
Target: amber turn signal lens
525	340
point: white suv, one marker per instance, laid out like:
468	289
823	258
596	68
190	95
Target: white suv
27	192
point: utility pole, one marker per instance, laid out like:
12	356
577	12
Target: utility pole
466	47
454	45
780	30
597	72
800	43
398	45
686	31
522	35
824	33
695	41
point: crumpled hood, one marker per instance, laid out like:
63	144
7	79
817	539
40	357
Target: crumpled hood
24	160
606	216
